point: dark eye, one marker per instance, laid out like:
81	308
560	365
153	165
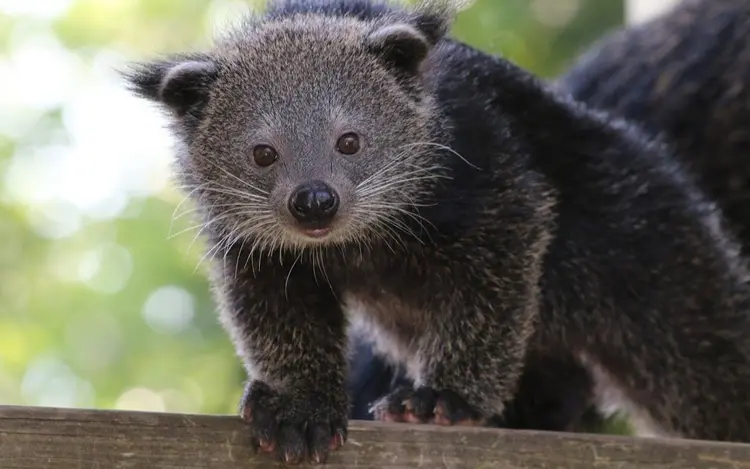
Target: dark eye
264	155
348	144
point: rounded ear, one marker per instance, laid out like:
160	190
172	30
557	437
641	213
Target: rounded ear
181	85
400	45
187	83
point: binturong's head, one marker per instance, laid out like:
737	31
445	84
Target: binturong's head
312	124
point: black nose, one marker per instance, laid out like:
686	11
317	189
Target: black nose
314	202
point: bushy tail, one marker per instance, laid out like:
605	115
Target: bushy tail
684	75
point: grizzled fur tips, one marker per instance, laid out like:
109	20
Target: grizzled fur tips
683	75
345	181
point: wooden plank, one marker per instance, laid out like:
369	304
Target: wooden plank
36	438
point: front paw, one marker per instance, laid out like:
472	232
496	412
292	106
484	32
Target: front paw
295	425
427	405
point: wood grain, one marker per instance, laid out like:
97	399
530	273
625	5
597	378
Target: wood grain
37	438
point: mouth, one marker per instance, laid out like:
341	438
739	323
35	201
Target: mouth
316	232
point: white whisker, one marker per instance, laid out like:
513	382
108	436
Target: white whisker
235	177
447	148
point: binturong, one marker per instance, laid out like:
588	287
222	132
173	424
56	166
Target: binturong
356	166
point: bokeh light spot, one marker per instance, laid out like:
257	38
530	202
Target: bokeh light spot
143	399
169	309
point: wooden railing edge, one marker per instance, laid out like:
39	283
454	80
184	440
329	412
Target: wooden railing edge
39	437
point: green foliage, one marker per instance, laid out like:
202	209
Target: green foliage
99	306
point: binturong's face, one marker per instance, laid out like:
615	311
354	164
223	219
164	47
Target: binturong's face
303	130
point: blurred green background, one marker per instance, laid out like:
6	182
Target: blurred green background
102	300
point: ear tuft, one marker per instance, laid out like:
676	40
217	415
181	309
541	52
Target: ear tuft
182	85
434	18
400	45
